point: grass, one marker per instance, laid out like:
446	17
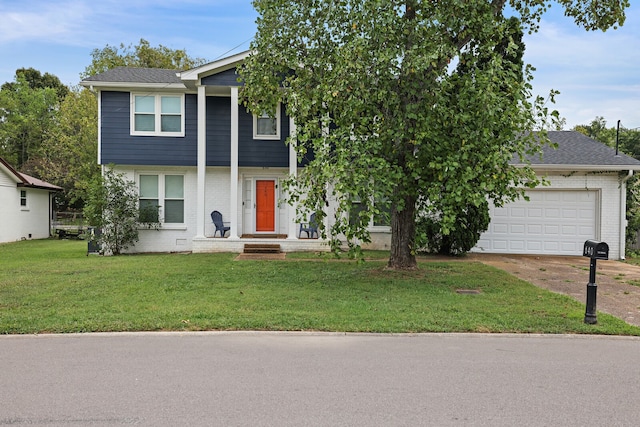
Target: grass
52	286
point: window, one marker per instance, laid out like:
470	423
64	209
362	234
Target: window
266	127
157	115
162	198
23	198
381	218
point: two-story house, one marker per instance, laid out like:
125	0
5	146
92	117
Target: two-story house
192	149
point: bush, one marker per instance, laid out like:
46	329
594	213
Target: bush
112	205
471	223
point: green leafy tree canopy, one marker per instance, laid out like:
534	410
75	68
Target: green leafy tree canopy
27	111
141	55
420	105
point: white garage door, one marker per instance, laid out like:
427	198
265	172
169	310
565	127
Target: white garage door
552	222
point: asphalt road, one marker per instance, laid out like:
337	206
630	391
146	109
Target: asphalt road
300	379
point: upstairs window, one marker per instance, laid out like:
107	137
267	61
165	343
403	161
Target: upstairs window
23	198
154	115
267	125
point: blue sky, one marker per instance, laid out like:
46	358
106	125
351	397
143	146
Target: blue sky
597	73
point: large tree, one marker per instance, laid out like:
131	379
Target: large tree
27	111
417	104
141	55
68	155
598	130
628	142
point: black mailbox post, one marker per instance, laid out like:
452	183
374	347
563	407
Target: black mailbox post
594	250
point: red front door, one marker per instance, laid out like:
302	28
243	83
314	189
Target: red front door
265	206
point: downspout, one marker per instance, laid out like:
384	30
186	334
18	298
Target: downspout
623	213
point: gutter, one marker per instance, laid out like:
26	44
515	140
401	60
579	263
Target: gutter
623	213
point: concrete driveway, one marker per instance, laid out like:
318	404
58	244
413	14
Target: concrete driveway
569	275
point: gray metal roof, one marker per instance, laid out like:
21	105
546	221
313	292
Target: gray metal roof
576	149
136	75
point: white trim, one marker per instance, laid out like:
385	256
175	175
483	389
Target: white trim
132	85
254	202
275	137
24	207
99	127
202	162
623	214
157	114
292	230
233	233
162	196
213	67
581	168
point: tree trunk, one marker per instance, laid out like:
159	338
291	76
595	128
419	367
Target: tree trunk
403	232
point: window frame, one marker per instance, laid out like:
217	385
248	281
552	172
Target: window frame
372	226
162	197
158	114
277	118
24	200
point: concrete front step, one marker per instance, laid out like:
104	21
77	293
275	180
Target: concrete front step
261	248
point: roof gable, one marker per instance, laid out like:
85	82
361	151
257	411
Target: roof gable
24	180
214	67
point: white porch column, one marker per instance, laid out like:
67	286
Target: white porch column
202	161
293	172
233	197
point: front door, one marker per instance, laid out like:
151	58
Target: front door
265	206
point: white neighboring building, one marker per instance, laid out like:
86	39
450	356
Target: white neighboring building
26	206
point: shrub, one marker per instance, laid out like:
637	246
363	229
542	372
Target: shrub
112	206
471	223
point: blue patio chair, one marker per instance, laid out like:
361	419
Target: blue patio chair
216	217
310	228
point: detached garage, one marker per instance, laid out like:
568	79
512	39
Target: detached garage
586	199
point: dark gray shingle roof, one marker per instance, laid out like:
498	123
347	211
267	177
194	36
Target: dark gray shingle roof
136	75
577	149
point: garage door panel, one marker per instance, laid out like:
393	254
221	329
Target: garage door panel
517	245
536	196
552	213
534	245
535	213
534	229
501	229
587	214
552	222
550	230
518	229
569	230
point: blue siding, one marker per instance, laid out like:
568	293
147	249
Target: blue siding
218	131
224	78
119	147
258	152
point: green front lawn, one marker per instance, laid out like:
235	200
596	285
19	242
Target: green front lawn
52	286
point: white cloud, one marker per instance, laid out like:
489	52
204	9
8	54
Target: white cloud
595	72
42	21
